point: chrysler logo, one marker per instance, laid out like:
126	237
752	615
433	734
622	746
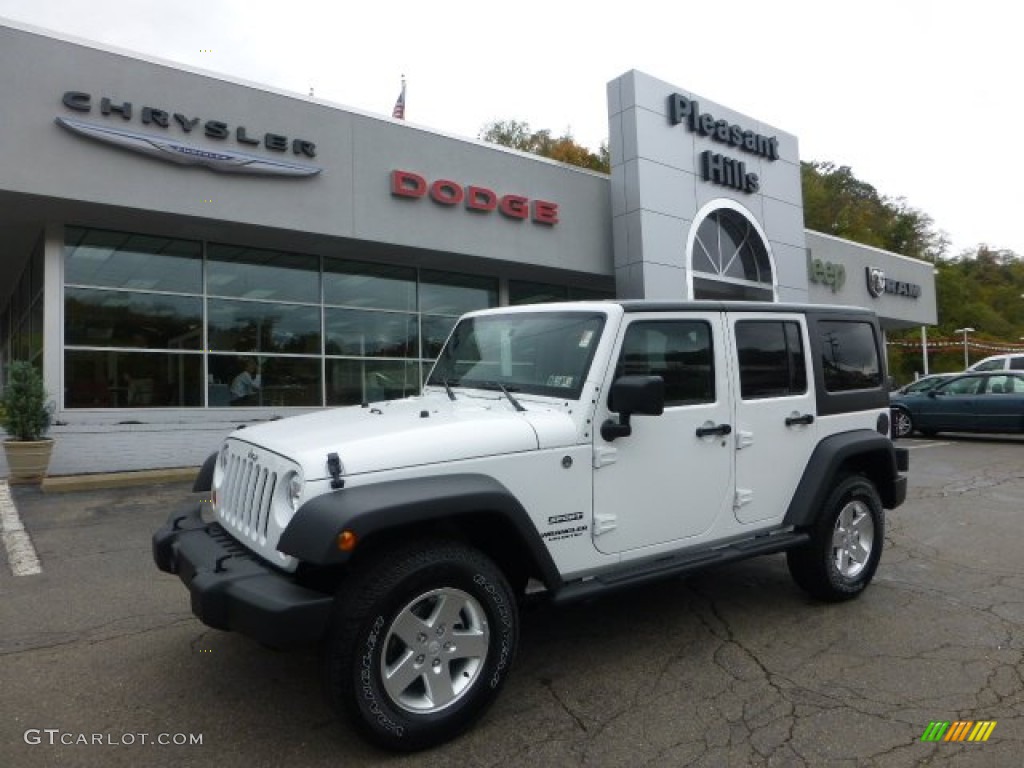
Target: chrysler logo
221	160
252	456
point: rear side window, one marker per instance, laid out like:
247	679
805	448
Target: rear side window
991	365
1017	363
849	355
771	357
679	351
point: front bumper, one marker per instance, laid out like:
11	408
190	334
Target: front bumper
232	589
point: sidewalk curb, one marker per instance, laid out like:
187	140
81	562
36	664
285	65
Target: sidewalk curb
69	483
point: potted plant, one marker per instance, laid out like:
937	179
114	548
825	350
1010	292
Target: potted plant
26	419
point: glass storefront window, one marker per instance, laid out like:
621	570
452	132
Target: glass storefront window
140	262
522	292
371	286
249	326
370	334
350	382
136	305
447	293
260	381
253	273
102	379
100	318
435	331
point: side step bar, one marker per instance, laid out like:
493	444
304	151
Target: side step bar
676	565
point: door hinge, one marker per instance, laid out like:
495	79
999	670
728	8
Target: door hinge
605	523
744	439
605	455
743	497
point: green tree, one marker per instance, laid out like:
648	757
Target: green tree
564	148
838	203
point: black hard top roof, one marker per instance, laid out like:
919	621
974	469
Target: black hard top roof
647	305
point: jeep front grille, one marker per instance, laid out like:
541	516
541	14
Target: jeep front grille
247	496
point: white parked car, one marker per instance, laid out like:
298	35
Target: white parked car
1012	361
584	448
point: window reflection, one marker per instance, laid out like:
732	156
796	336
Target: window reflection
350	382
252	380
124	260
369	285
99	379
447	293
248	326
125	319
435	331
849	357
371	334
252	273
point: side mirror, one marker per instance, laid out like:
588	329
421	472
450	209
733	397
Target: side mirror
932	394
633	394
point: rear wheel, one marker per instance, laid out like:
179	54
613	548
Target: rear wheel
846	543
422	642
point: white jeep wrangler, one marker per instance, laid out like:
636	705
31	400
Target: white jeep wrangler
581	448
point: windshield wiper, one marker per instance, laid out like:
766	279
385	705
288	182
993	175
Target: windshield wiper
498	385
448	389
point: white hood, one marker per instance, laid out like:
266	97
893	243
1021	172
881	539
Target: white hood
396	433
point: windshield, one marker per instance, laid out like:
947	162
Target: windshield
543	353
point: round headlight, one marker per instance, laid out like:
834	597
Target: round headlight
294	487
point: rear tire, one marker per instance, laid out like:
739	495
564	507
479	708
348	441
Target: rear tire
846	543
422	642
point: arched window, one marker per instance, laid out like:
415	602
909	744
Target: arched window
730	260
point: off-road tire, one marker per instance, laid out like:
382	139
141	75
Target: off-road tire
427	613
846	543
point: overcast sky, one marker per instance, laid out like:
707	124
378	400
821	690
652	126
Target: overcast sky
922	98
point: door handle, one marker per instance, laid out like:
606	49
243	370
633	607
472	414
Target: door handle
807	418
718	429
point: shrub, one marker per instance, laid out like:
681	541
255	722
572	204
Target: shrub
25	412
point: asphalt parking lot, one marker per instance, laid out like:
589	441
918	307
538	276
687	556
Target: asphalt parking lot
731	667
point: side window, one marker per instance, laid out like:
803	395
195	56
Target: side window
771	357
680	351
849	356
1017	363
991	365
968	385
1002	385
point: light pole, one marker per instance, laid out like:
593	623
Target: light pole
965	331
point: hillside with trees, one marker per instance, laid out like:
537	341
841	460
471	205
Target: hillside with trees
980	288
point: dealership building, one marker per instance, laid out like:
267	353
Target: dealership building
166	235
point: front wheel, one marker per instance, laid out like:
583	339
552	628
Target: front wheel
422	644
903	423
846	543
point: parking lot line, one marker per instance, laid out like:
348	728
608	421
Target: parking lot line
926	445
21	555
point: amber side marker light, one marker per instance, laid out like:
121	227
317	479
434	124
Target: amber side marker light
347	541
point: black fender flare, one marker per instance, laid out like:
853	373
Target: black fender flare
866	449
204	480
311	535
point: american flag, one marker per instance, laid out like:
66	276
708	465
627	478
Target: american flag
399	111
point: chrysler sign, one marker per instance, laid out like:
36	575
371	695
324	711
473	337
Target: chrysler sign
168	148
